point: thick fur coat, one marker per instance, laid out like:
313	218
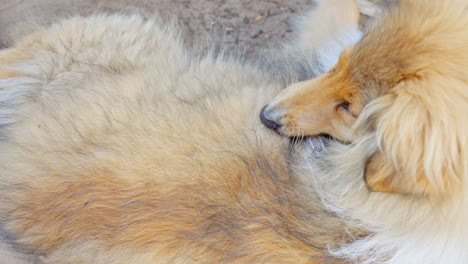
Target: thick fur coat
402	94
118	144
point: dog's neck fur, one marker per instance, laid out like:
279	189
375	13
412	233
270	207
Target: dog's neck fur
409	228
402	229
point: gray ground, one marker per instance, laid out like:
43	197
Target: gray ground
248	23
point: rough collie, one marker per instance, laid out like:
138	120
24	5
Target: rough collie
118	144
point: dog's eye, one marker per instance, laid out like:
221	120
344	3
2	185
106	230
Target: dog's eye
345	106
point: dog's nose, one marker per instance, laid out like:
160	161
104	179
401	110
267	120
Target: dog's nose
271	124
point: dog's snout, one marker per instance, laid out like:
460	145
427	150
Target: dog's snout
268	121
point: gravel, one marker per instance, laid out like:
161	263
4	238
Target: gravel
251	24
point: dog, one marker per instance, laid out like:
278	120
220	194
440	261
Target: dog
400	94
118	144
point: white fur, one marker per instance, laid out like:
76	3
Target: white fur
406	229
330	28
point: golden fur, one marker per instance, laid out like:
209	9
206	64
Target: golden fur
119	145
414	66
400	96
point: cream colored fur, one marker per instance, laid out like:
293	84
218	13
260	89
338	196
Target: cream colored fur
420	128
119	145
119	100
329	28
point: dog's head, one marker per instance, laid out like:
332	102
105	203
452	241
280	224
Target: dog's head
307	108
406	82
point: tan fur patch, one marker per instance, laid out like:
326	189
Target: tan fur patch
213	220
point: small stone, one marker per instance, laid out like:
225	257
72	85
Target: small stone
256	35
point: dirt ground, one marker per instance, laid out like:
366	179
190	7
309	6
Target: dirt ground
247	23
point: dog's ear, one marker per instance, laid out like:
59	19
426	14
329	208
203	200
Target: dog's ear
381	176
421	135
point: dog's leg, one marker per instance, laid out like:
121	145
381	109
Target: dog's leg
334	25
327	21
328	29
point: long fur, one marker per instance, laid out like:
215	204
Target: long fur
414	134
120	145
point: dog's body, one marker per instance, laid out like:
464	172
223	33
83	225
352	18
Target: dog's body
118	145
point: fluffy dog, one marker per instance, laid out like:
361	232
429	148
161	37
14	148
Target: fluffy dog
119	145
401	93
